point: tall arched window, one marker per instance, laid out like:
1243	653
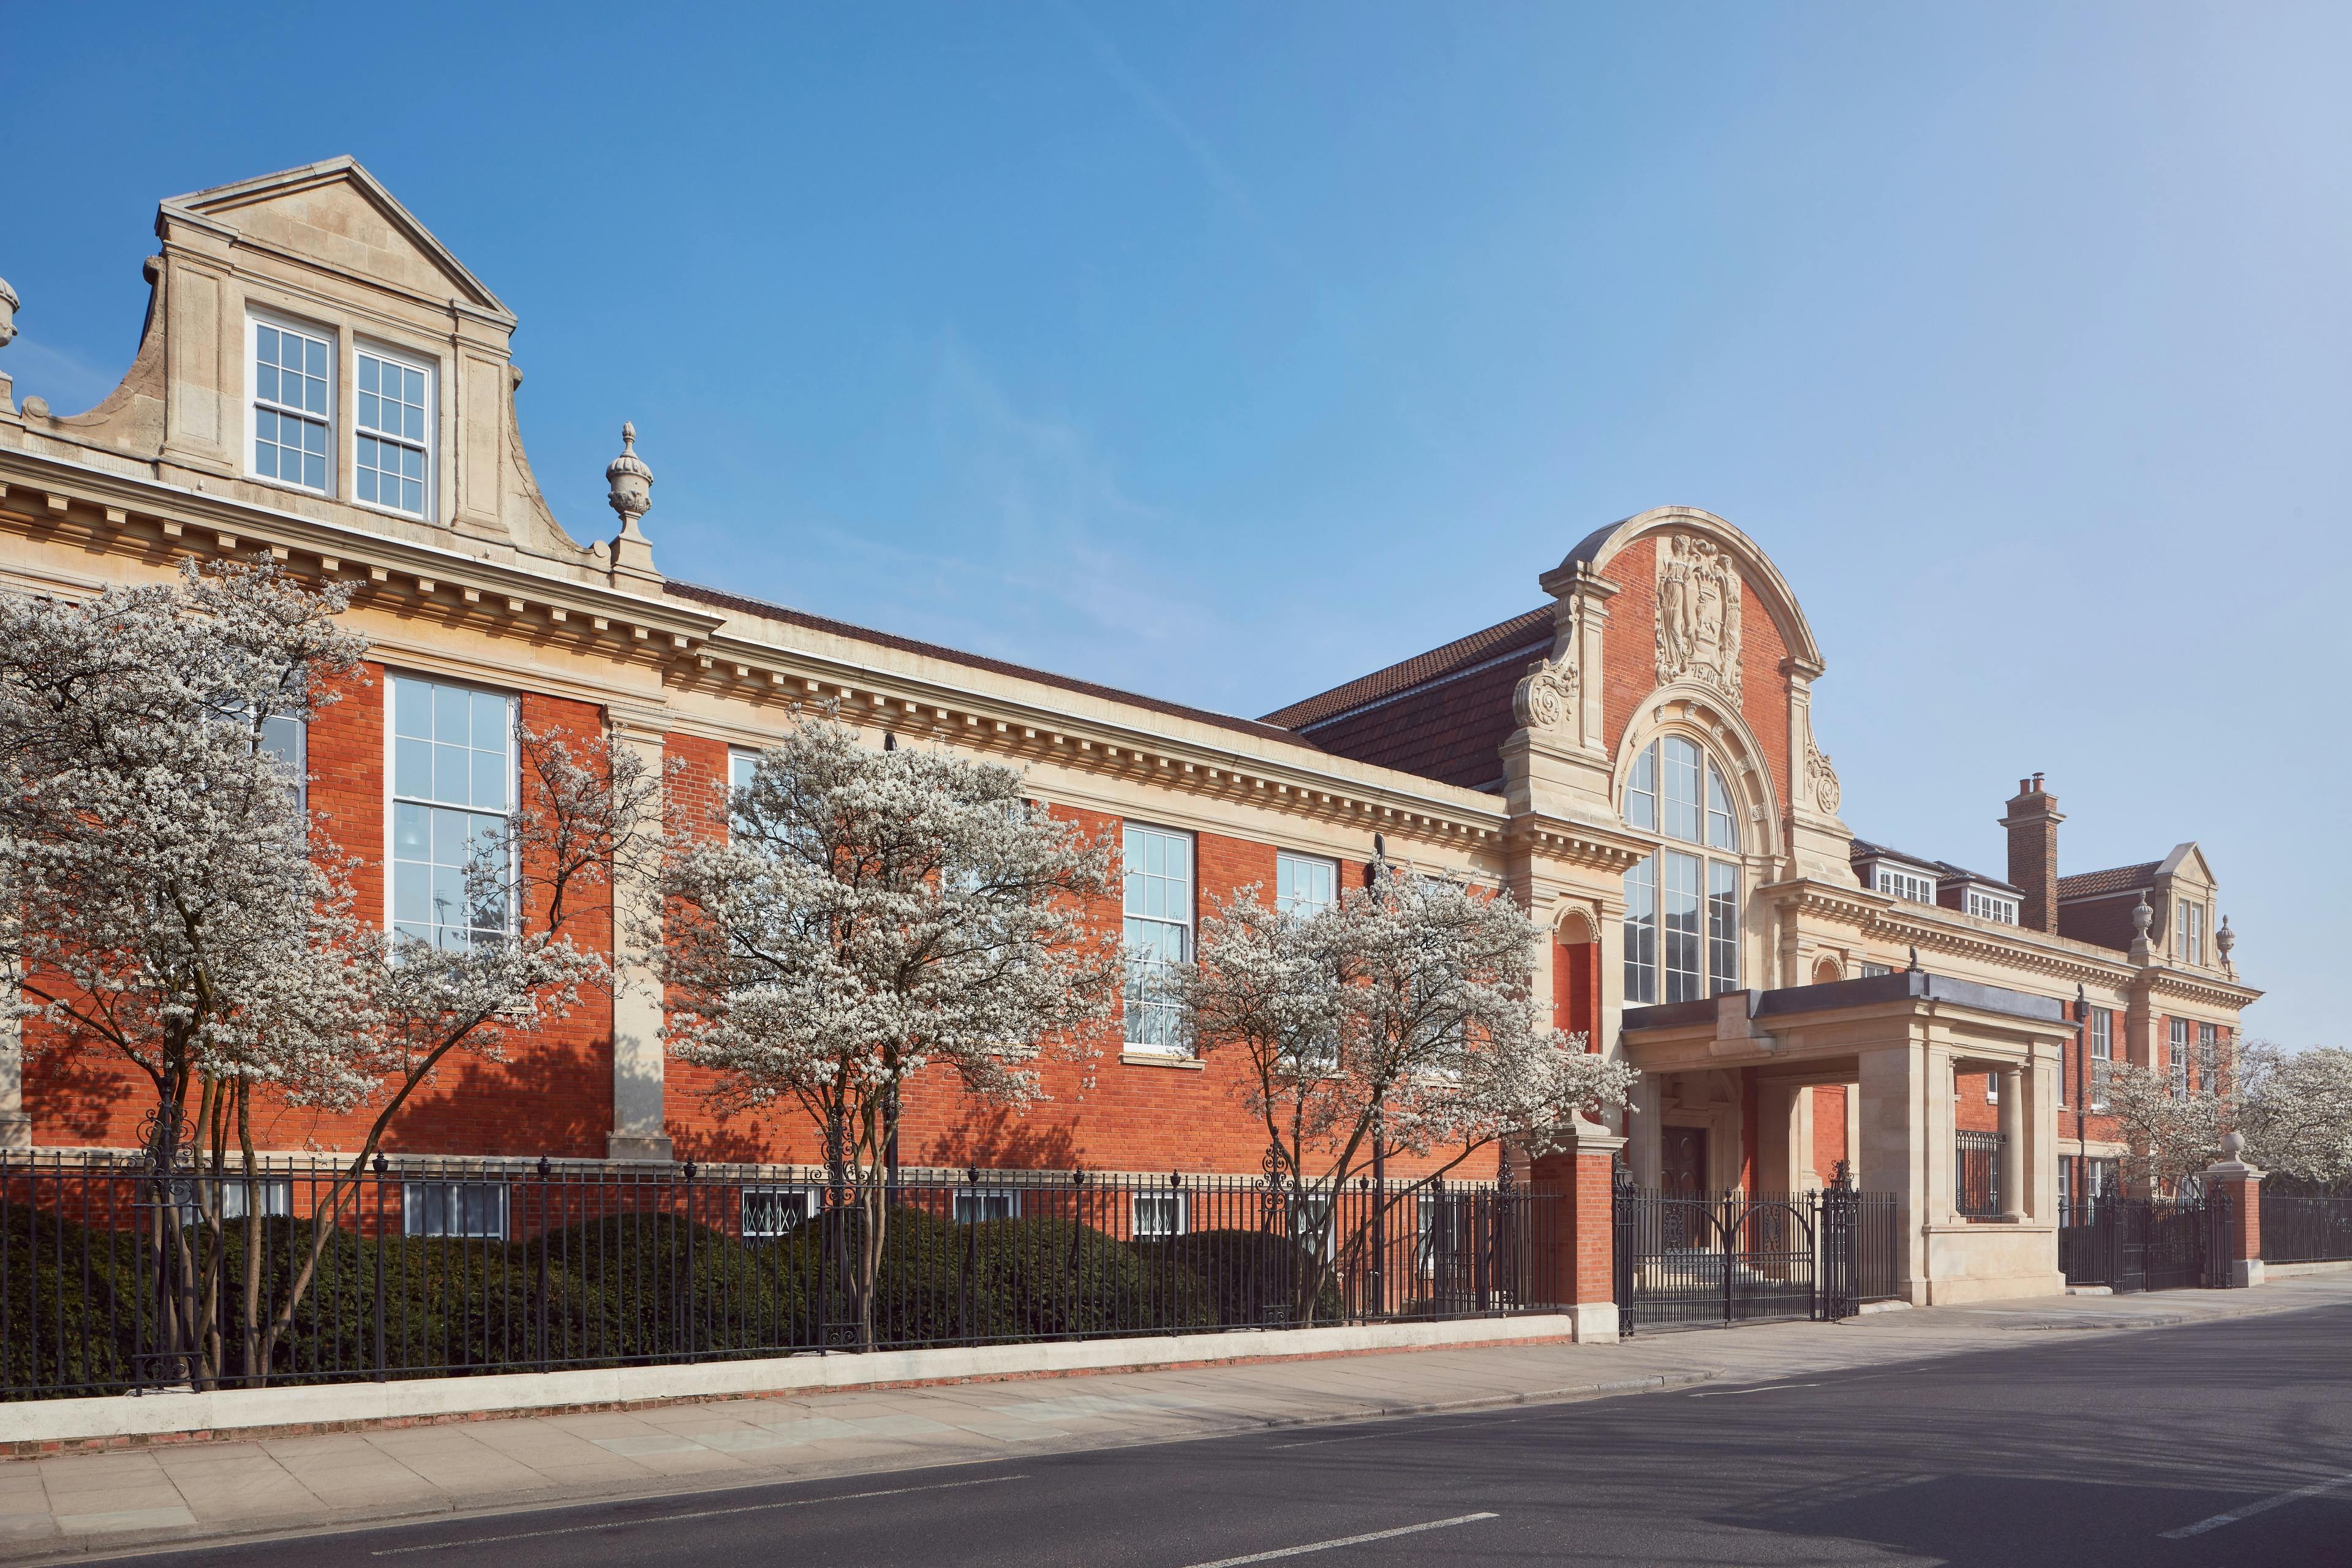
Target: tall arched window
1682	904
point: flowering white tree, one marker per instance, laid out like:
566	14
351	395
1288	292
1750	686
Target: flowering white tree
1402	1018
167	899
2169	1137
866	915
172	901
2293	1109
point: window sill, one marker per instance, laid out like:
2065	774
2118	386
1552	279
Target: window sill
1147	1058
383	511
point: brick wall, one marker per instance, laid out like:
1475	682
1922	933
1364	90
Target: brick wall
1828	1128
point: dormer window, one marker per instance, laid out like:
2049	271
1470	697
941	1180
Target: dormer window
1901	882
293	404
392	446
2190	939
1993	907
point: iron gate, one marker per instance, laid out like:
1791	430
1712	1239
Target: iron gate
1690	1260
2145	1244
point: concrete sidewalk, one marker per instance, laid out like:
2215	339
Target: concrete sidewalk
61	1507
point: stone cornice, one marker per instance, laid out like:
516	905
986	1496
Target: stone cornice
926	706
2202	989
117	514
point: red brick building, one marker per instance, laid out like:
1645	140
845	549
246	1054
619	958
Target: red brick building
323	383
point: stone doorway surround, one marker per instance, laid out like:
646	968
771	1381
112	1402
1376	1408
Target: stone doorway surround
1899	1039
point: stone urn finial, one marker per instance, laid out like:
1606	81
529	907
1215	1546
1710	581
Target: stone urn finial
8	303
2223	941
2142	917
632	483
2232	1145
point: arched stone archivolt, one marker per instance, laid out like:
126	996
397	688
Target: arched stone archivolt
1759	576
1705	718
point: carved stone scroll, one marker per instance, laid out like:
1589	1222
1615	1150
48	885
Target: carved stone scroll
1547	693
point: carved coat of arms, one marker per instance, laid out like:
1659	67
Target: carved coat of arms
1698	614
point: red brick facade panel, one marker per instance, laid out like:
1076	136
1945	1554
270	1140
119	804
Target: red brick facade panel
2107	922
1764	686
1629	658
1828	1128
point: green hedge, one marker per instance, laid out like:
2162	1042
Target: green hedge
627	1288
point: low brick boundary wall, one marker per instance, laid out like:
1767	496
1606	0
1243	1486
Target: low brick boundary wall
36	1427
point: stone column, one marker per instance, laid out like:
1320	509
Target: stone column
2240	1186
2013	1205
1647	1128
1892	1152
639	1128
1578	1183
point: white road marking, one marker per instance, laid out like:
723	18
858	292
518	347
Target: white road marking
698	1513
1344	1541
1767	1388
2251	1508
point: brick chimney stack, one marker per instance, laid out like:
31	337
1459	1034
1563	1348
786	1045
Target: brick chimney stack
2033	822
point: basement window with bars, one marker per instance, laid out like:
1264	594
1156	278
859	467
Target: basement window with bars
772	1212
976	1205
1160	1215
471	1209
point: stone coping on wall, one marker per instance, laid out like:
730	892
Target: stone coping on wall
33	1427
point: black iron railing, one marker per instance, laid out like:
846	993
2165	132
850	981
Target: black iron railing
1706	1260
2145	1244
115	1276
2305	1229
1976	1182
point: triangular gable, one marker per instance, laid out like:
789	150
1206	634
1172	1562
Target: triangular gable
346	217
2190	859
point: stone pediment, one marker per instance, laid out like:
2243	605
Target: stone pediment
337	216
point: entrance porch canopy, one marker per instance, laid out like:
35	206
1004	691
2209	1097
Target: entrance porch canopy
1897	1041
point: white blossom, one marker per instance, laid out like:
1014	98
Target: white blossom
1405	1011
865	915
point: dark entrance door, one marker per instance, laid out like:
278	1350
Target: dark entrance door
1682	1168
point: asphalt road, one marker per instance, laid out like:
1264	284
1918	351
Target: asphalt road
2222	1443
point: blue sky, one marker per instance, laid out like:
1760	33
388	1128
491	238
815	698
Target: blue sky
1227	351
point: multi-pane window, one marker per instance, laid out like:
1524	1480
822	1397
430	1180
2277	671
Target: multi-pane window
2209	1059
1641	931
1305	883
1159	931
1682	908
1159	1215
391	447
2066	1189
1870	969
453	1208
1897	882
2179	1044
2190	943
2103	1056
293	404
1993	907
453	788
1722	923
